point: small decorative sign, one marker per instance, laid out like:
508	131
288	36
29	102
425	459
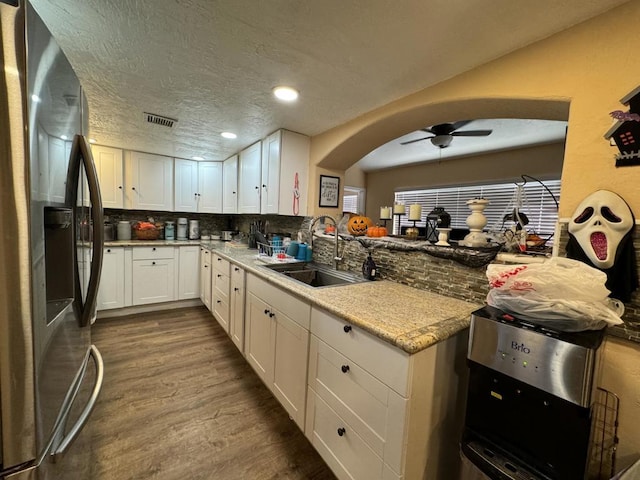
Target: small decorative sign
329	191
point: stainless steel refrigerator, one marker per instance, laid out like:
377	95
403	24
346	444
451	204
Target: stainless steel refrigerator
50	257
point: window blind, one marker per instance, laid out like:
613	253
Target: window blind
350	203
537	204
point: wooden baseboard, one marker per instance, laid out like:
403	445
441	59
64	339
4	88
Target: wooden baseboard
153	307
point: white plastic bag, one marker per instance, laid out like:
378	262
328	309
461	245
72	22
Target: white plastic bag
561	293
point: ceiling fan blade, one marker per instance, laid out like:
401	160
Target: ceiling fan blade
472	133
428	130
414	141
460	124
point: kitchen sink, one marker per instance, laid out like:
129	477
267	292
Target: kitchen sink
315	275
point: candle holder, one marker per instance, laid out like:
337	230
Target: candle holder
398	215
476	222
443	237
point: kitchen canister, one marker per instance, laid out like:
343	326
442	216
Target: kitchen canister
182	229
124	230
170	230
194	229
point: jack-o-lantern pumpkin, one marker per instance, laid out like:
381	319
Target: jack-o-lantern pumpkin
358	225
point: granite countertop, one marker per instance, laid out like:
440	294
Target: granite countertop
406	317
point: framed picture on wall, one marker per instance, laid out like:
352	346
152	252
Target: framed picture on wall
329	191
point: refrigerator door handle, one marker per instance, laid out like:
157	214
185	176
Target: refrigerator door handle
91	403
81	152
54	446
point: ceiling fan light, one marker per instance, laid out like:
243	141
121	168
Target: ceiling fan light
442	141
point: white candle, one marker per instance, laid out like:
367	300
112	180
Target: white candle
385	213
415	211
398	209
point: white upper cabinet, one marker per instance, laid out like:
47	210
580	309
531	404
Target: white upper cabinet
285	165
110	175
210	187
149	181
230	185
186	183
249	179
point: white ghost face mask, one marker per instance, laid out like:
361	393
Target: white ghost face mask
599	224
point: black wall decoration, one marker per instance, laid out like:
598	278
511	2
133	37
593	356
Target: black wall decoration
625	132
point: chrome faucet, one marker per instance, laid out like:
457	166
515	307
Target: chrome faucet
336	258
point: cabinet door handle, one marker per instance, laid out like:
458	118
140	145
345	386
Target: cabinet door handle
108	250
133	188
236	289
236	269
257	187
341	431
219	275
154	249
347	328
266	311
218	301
233	193
264	186
271	314
344	368
120	187
153	263
206	266
219	259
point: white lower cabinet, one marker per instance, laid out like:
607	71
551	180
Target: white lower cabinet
205	277
277	343
236	306
188	269
376	412
111	291
153	275
220	290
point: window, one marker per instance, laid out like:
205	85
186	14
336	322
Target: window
353	200
538	205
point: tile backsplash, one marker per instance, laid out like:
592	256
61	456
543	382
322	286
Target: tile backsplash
415	269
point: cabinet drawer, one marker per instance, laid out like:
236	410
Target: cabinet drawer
221	285
385	362
220	264
151	253
205	256
346	453
373	410
291	306
220	308
237	277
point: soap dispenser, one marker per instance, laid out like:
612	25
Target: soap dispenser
369	269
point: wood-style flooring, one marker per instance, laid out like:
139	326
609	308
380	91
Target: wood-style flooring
180	402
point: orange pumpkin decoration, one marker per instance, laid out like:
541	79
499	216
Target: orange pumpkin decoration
358	225
377	231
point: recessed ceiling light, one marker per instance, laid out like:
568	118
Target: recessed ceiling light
229	135
63	137
198	158
92	140
286	94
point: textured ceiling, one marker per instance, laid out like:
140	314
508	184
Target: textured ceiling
211	64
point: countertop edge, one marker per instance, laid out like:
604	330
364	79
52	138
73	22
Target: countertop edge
411	342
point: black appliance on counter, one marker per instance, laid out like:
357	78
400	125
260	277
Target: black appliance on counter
529	404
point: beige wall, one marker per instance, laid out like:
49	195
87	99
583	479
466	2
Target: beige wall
542	162
579	74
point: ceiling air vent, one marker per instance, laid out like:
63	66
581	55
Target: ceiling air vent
159	119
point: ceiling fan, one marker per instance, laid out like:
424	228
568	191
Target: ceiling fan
443	133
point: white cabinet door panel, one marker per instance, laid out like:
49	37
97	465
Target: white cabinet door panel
109	165
230	185
153	281
210	187
186	185
150	182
